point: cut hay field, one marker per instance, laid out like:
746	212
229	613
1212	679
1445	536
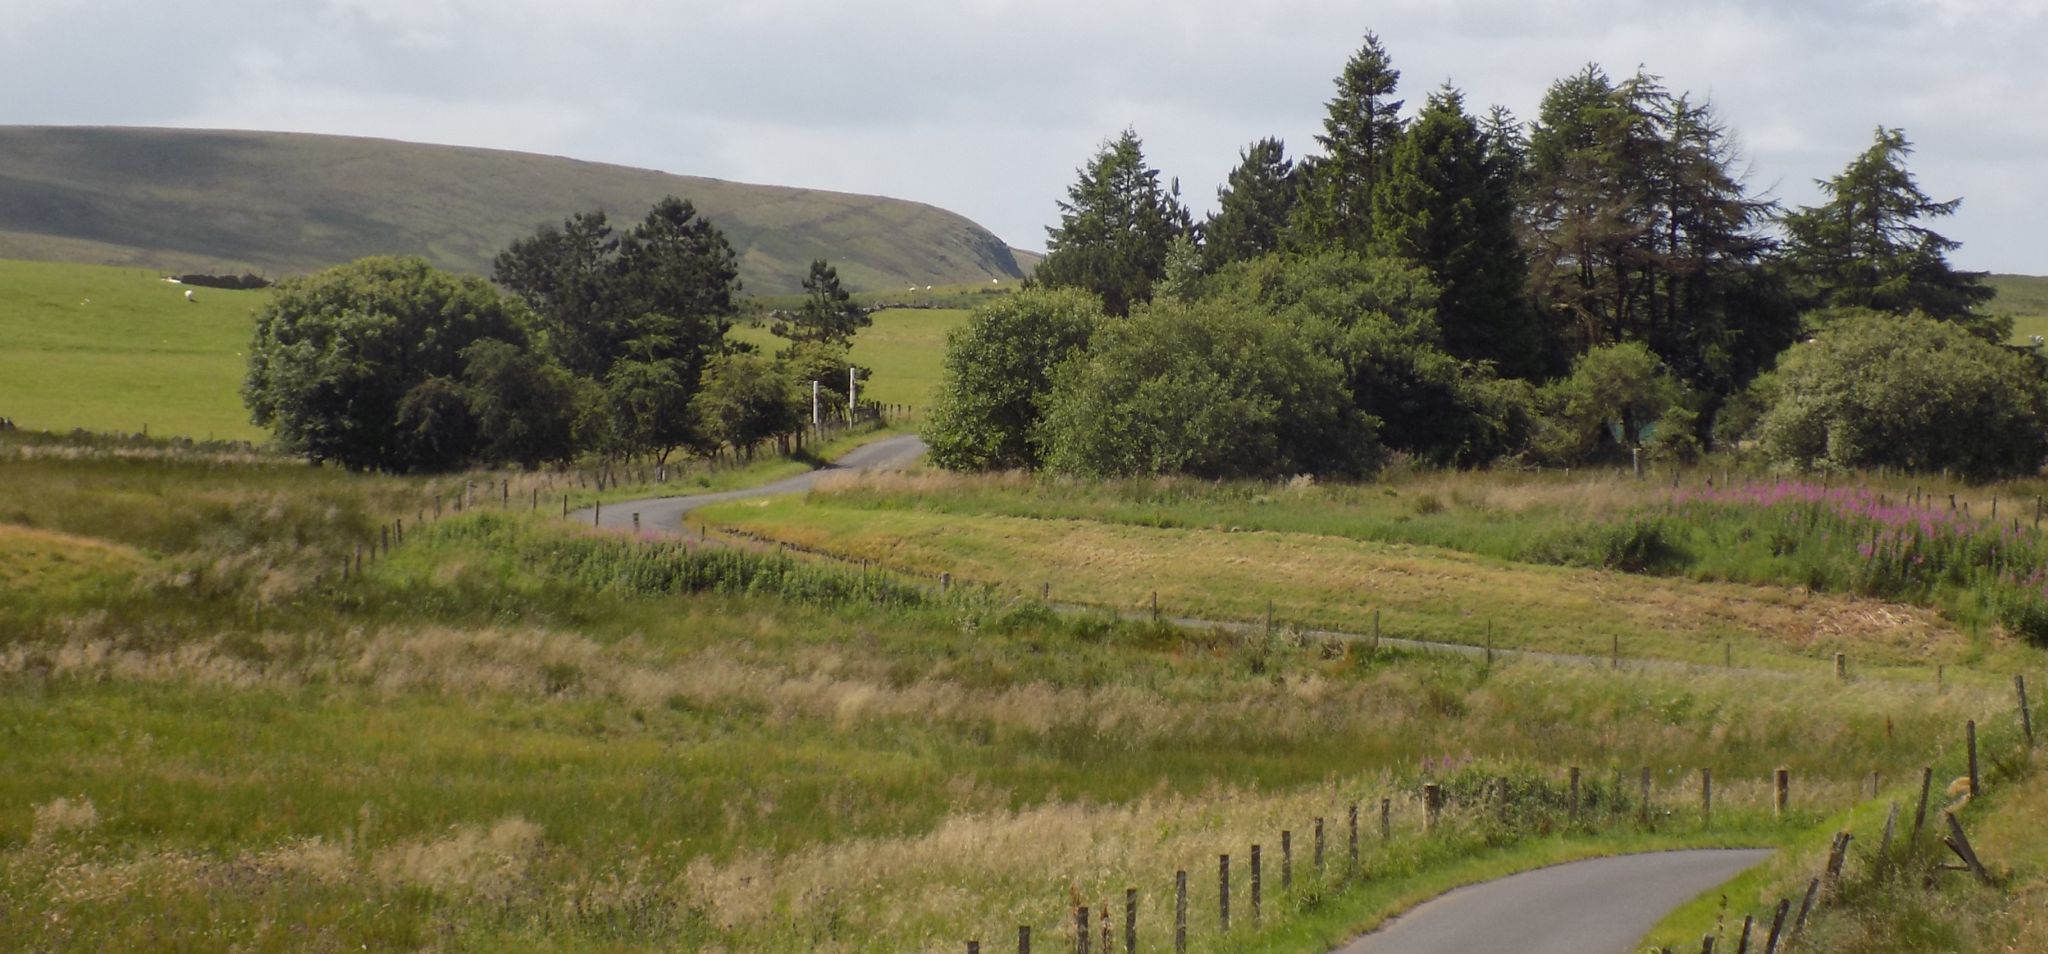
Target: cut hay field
119	350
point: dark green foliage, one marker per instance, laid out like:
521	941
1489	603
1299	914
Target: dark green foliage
1115	228
1207	389
1638	229
645	406
1361	124
999	374
637	317
1908	391
1617	397
365	364
1865	248
569	277
828	315
1375	318
524	405
1447	204
747	399
1252	207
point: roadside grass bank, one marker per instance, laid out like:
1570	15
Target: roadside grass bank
1893	894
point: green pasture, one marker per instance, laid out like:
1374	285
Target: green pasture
120	350
905	348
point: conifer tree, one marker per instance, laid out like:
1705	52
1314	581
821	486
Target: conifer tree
1865	248
1359	131
1252	207
1447	204
1115	228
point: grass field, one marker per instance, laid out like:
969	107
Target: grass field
905	348
514	735
2025	299
118	350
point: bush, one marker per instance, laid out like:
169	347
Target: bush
999	377
1209	390
1908	391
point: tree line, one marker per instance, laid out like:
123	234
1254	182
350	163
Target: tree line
591	341
1460	288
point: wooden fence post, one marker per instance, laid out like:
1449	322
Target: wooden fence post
1257	887
1841	665
1837	855
1180	912
1286	859
973	947
1155	607
636	521
1023	939
945	582
1223	893
2019	684
1386	819
1782	796
1976	786
1354	836
1573	804
1319	846
1643	810
1805	907
1432	803
597	513
1616	664
1081	929
1777	926
1920	816
1130	921
1706	796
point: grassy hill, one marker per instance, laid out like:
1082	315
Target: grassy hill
2025	298
113	349
289	202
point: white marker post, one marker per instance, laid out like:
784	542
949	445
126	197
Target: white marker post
852	393
814	406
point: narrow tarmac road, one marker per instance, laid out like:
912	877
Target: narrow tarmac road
665	514
1599	906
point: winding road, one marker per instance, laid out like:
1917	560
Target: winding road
665	514
1599	906
1585	907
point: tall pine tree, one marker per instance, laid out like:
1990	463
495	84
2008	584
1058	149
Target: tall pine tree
1865	248
1115	228
1447	204
1252	207
1359	131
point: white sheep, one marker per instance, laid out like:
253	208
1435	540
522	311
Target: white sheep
188	295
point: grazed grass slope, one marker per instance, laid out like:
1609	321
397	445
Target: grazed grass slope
116	349
291	202
905	348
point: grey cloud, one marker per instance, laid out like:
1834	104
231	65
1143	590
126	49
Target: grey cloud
987	106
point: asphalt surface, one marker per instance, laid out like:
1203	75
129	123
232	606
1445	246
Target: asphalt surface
1601	906
664	515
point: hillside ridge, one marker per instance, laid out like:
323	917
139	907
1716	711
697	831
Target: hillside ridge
280	203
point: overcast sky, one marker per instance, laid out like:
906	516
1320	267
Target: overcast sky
987	107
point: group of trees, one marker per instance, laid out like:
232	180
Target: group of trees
1461	287
604	342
